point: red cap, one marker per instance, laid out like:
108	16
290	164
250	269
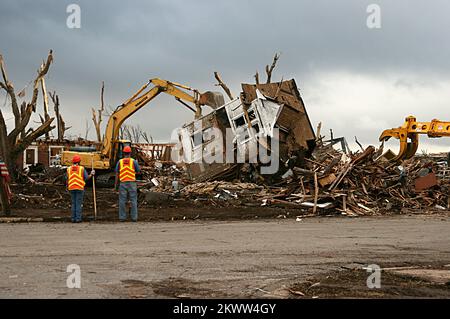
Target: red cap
127	149
76	159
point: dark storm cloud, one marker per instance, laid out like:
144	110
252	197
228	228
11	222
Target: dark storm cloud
125	43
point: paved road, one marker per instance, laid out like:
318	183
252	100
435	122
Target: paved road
205	259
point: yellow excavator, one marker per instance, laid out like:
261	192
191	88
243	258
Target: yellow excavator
411	130
110	151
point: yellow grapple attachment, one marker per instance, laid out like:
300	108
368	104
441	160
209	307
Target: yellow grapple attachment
408	135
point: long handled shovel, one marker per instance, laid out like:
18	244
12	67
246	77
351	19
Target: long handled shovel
93	190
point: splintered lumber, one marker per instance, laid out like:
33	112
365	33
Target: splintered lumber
327	180
344	203
316	193
341	176
302	171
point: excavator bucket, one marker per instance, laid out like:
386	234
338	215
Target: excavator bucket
411	148
407	149
212	99
411	130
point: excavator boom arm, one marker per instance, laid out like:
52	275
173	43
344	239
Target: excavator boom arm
105	158
143	96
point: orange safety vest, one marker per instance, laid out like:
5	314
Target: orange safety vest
75	178
126	170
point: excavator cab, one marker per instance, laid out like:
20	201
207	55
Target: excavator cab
119	151
106	177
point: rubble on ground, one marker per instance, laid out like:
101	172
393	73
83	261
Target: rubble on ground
365	183
331	182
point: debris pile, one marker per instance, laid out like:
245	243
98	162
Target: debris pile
364	183
327	183
40	196
217	191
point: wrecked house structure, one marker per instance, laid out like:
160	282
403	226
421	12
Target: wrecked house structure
250	119
42	152
47	152
148	153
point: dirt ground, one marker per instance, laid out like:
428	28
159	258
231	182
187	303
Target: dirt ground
51	203
272	258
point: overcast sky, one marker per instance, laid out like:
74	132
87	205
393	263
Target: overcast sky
355	80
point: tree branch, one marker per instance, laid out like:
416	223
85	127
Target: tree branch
223	85
256	77
9	88
25	119
32	136
60	124
25	115
41	73
98	121
359	144
269	70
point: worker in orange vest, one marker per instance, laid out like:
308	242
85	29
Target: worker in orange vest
76	180
126	170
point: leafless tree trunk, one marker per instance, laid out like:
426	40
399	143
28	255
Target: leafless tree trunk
45	103
13	144
269	70
60	124
223	85
97	119
86	130
257	77
134	134
124	133
146	138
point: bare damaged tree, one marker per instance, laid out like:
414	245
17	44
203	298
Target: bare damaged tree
13	144
146	138
86	130
97	119
134	134
223	85
124	133
45	103
359	144
256	77
60	124
269	70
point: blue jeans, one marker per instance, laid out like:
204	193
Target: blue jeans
77	204
125	189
